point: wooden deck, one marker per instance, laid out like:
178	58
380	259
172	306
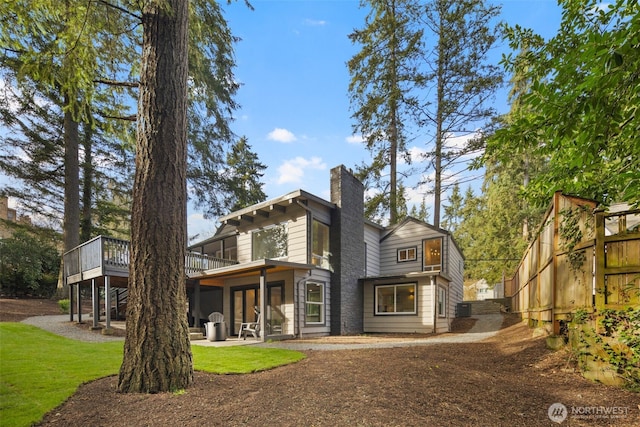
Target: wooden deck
108	256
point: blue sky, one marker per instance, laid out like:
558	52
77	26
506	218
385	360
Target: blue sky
295	111
294	101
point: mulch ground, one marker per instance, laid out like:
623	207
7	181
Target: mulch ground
509	380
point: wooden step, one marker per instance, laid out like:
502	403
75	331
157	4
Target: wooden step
194	336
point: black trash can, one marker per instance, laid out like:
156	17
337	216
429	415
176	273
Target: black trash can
221	331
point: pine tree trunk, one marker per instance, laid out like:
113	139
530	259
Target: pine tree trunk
157	353
71	220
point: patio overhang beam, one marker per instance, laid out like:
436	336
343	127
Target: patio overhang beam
386	279
253	269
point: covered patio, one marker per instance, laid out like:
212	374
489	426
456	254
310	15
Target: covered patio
239	291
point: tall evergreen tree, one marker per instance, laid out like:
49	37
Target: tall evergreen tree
453	211
461	78
157	352
60	49
420	213
243	176
383	75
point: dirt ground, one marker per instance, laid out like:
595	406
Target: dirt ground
508	380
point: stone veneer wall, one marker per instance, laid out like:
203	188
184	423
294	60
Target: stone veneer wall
347	252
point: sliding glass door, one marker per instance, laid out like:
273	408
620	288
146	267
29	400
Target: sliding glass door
245	299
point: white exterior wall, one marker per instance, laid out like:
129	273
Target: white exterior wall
297	245
296	219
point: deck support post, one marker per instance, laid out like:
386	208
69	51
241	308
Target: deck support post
263	303
195	310
95	300
107	302
70	303
79	303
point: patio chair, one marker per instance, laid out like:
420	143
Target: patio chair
216	317
251	327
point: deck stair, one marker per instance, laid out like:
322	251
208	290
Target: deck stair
196	334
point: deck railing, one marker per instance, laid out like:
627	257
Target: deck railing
108	256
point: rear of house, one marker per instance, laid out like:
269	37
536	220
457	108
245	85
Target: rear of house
327	270
312	267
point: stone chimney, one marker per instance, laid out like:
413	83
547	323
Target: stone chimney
347	252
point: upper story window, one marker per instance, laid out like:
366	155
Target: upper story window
432	250
225	249
320	245
407	254
271	242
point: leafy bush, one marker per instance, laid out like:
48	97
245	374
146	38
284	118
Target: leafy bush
29	265
64	305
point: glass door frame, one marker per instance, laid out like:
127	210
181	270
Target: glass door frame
247	315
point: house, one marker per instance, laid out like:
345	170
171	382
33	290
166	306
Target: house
324	269
9	215
313	267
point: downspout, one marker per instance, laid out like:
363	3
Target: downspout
298	323
302	281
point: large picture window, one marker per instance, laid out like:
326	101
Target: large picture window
433	254
269	243
320	245
396	299
314	303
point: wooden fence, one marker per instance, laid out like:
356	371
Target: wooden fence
581	258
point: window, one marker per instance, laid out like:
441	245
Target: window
407	254
314	307
442	302
433	254
396	299
269	242
320	245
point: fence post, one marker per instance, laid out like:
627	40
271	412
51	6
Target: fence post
600	256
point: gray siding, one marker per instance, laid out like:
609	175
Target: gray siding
372	242
410	235
319	276
296	219
422	322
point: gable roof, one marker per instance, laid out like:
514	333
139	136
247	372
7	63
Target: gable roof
265	209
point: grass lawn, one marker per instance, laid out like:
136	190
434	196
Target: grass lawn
40	370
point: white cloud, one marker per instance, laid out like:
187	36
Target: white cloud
292	171
199	228
315	22
354	139
281	135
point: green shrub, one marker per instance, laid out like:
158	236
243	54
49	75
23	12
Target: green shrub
64	305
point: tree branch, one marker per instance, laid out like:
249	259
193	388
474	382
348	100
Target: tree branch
117	83
121	9
131	118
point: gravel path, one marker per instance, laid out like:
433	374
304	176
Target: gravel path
486	326
60	325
